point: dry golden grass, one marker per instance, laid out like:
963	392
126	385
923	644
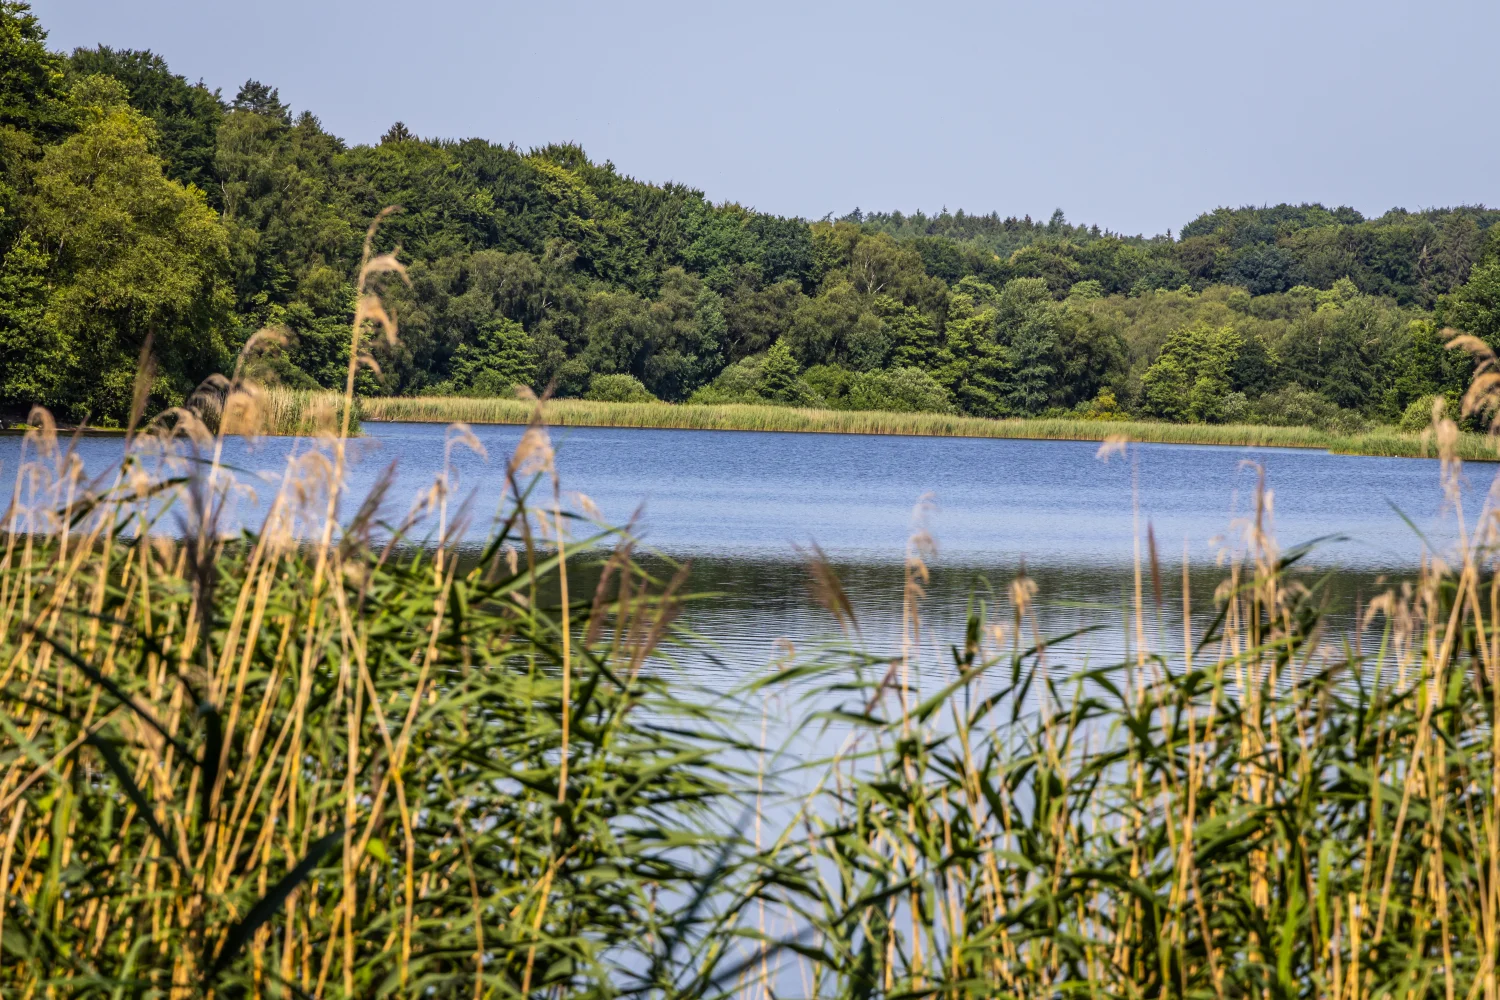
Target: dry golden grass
743	417
290	412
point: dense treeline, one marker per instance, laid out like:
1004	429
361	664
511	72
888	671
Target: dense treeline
134	203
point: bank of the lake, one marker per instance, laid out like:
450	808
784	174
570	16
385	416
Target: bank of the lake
1388	443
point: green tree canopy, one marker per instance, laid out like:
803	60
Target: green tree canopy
186	116
495	361
1026	324
1191	377
130	254
1475	307
31	78
603	274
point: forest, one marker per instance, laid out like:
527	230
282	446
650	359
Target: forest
135	204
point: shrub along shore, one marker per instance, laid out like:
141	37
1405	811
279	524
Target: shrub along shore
747	417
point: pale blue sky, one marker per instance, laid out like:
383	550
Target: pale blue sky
1136	116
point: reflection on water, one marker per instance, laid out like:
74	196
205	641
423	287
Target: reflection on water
738	503
758	608
760	615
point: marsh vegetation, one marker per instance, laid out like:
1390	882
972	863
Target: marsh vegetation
310	760
1391	442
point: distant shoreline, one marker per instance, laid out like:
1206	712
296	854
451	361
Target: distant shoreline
290	409
745	417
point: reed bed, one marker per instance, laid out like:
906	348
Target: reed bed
311	761
1263	810
743	417
301	412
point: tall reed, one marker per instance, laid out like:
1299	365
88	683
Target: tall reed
311	761
1264	811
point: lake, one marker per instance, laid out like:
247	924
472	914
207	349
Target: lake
740	503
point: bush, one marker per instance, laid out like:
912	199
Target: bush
1103	407
752	380
618	389
1417	416
832	383
489	384
572	378
902	390
738	383
1294	406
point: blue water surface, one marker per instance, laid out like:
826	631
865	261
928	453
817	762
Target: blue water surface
988	502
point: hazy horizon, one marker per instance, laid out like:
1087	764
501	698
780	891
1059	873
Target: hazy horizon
1137	120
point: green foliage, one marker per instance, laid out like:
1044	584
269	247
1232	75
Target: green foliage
913	339
32	108
34	359
897	390
427	780
778	376
1263	269
1151	831
1102	407
495	362
278	206
1191	377
130	254
1296	406
447	772
609	275
1336	349
1026	325
737	383
1419	366
1475	307
973	367
618	389
31	78
186	116
903	390
842	326
1093	354
773	377
755	316
1417	417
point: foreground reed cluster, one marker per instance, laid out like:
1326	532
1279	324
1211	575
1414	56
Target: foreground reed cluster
1267	812
301	761
318	758
311	760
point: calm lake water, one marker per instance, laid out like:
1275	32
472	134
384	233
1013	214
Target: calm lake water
739	503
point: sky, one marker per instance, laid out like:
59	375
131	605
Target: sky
1136	116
